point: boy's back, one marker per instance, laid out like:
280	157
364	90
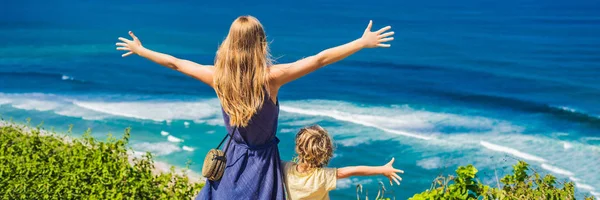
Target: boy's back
310	179
314	184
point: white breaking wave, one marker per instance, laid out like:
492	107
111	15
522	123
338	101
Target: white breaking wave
157	111
430	163
349	118
511	151
65	77
572	110
186	124
584	186
352	182
393	117
565	108
567	145
400	120
186	148
72	111
171	138
95	110
4	101
287	130
557	170
164	133
215	121
160	148
32	104
352	142
587	167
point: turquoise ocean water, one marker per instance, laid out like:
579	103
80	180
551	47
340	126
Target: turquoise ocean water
481	82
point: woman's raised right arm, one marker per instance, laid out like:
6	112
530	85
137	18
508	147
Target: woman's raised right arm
284	73
203	73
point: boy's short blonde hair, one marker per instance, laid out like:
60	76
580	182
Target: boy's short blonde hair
314	146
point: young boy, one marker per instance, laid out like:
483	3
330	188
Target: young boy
310	179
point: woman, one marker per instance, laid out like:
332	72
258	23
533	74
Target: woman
247	85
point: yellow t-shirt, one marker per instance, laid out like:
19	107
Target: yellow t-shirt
315	184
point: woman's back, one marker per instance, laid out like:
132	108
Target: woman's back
262	126
253	165
241	81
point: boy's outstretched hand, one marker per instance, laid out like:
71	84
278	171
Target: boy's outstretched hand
389	171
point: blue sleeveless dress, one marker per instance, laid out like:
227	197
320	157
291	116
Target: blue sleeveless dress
253	168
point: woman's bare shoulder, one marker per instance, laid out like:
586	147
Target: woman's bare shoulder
277	71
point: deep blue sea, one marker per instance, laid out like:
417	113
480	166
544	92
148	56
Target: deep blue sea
469	81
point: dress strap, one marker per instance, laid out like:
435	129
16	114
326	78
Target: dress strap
229	142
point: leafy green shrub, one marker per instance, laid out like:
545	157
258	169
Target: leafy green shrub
34	165
518	185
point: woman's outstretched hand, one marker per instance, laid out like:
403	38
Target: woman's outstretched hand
392	173
377	38
132	47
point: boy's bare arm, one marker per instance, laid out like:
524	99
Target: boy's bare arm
387	170
347	172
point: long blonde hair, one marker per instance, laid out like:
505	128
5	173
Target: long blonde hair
241	70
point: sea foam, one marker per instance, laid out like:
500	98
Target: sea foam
65	77
514	152
186	148
557	170
32	104
160	148
584	186
430	163
157	111
567	145
171	138
352	182
101	109
349	118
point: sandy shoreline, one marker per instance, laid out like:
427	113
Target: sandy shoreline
159	167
